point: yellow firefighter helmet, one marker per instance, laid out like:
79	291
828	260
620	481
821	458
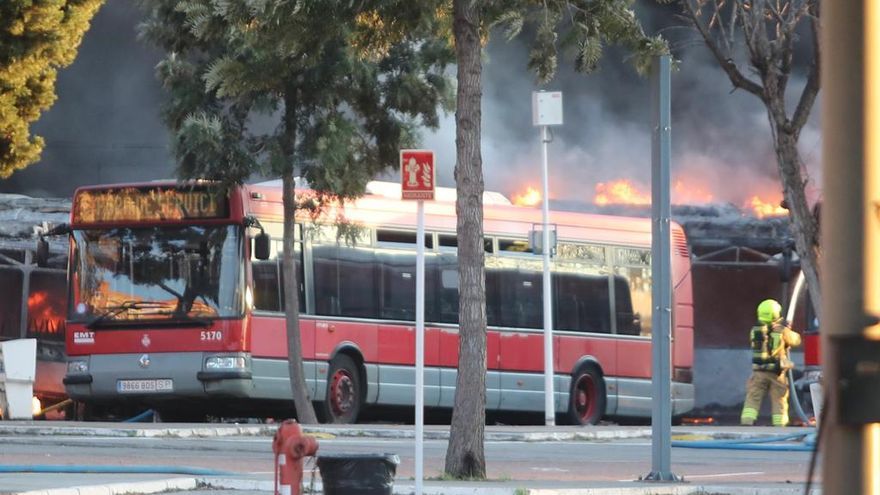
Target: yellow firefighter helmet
769	311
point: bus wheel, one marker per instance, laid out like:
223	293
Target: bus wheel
586	403
344	398
81	411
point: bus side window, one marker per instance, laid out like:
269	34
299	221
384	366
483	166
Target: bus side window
493	297
632	291
11	279
345	281
529	299
326	281
47	305
398	285
268	278
628	322
520	298
447	289
582	302
569	308
267	285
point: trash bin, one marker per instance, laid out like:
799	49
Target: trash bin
18	363
358	474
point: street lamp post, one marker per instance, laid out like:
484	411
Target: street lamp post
547	111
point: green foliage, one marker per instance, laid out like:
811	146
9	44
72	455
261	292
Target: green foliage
582	28
331	90
37	37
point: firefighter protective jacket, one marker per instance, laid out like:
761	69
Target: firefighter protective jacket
770	344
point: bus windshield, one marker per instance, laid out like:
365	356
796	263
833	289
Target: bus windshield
156	273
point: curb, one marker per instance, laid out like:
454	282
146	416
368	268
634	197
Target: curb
185	484
129	488
323	432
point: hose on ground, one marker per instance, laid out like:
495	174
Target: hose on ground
135	419
104	469
753	443
744	446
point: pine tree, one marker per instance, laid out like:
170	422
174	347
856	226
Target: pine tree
37	37
339	99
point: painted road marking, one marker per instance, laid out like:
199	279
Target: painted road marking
719	475
724	475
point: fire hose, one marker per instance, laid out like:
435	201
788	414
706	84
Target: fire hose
807	443
789	316
106	469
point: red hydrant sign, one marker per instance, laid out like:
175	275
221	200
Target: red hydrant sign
417	175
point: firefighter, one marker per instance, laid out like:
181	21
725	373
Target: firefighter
770	340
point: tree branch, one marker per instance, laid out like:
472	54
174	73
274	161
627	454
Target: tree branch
737	78
811	89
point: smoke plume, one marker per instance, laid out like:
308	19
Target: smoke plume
105	125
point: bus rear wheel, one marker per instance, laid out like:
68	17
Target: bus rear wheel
586	403
344	396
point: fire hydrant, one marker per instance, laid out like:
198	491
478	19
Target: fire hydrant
290	446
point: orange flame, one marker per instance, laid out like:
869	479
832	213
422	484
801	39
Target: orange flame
44	315
763	209
530	197
621	191
690	193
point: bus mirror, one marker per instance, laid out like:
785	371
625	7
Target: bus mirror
261	246
41	254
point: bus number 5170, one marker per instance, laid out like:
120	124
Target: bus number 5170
210	335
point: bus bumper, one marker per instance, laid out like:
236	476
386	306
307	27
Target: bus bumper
148	376
682	398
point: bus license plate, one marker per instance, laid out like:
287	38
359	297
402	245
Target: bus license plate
141	386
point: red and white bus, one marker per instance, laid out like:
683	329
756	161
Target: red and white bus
170	309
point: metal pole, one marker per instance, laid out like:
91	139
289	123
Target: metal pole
549	410
871	279
849	226
24	314
661	287
420	345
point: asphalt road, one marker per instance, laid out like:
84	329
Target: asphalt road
620	460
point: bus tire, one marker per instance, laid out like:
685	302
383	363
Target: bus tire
83	411
586	399
343	399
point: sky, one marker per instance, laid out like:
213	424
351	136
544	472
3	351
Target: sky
105	126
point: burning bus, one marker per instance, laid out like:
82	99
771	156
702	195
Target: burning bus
176	303
33	288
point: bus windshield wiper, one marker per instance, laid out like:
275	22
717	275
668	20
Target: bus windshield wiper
111	311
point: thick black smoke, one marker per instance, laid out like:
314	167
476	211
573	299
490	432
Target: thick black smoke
105	126
721	139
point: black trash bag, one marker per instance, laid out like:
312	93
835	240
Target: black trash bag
358	474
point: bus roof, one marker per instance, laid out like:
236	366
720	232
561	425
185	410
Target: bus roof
381	205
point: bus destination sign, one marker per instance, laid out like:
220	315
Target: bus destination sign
147	204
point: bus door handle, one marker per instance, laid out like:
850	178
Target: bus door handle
326	326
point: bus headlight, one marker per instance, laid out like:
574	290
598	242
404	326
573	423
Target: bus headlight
77	366
225	362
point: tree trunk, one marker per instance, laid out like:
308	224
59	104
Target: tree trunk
305	412
465	457
804	227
